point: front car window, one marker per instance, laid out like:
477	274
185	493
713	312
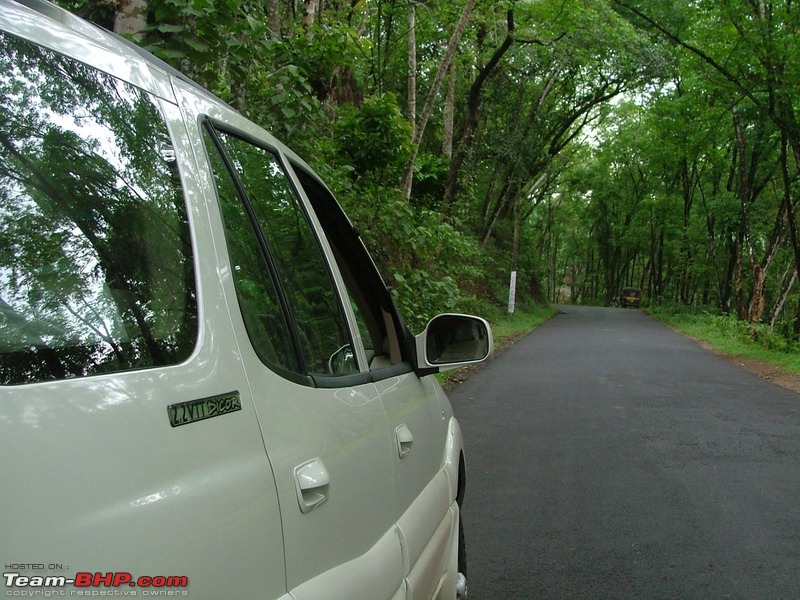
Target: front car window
96	267
380	326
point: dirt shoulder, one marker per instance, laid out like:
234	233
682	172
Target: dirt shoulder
462	374
767	371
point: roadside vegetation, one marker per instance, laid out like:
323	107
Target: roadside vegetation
509	328
733	337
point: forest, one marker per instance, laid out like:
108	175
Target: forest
586	145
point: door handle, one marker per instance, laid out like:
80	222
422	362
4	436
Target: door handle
312	482
404	440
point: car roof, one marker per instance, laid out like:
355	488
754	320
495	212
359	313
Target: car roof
108	39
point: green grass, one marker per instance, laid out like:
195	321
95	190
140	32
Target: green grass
731	336
509	327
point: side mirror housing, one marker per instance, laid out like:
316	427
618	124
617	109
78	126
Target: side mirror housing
451	341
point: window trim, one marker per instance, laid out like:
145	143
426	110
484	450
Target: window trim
209	127
333	221
320	380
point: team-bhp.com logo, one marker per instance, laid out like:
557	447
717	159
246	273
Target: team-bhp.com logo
94	584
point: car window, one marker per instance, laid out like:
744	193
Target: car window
96	267
264	316
281	272
378	321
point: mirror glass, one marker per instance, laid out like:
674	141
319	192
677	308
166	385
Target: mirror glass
456	338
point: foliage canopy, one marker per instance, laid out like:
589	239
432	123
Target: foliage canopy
586	144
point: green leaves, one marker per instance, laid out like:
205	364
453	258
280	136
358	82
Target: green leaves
336	91
375	136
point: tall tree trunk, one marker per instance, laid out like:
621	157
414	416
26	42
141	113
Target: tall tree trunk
412	67
447	59
274	19
738	279
757	302
790	206
131	18
787	283
499	210
449	113
473	113
688	176
747	191
309	13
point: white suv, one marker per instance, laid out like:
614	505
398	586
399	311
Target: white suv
205	387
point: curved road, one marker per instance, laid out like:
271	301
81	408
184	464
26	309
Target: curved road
609	457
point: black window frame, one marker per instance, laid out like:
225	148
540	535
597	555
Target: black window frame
348	246
212	126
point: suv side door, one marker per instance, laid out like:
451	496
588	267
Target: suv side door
321	417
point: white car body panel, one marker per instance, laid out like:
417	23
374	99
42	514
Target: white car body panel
95	50
343	427
115	470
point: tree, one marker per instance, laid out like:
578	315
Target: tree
745	51
444	66
131	18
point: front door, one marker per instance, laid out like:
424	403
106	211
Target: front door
417	421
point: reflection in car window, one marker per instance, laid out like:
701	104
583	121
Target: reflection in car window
96	270
371	303
289	245
258	297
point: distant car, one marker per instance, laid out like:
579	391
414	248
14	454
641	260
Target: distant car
630	296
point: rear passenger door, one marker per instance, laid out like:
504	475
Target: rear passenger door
128	440
321	418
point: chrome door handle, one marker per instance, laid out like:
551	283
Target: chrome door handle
404	440
312	482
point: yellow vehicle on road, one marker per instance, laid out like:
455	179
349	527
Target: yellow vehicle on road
631	296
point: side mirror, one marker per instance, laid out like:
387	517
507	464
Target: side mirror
451	341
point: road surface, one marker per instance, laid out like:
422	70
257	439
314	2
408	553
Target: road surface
609	457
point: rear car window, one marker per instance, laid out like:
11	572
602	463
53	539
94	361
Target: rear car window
282	277
96	267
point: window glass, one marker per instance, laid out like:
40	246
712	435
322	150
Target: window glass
376	318
290	246
96	270
258	297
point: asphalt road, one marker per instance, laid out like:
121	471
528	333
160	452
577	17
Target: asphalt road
609	457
